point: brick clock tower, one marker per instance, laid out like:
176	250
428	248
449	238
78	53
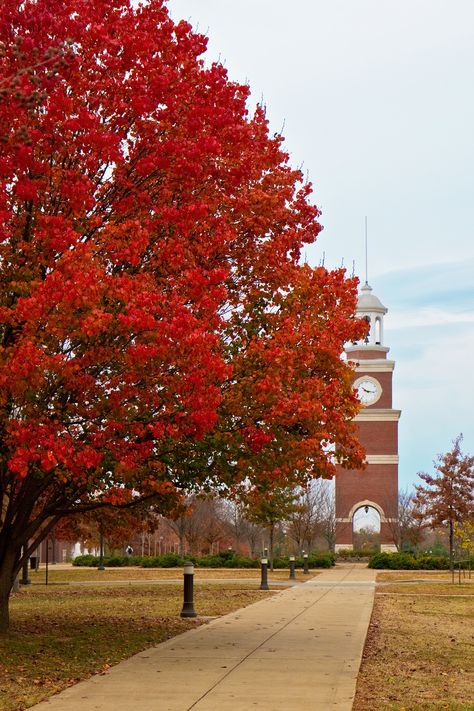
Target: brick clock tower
376	486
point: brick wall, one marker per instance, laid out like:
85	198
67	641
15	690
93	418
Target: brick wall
377	483
379	437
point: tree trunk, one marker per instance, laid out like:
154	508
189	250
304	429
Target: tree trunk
8	571
451	545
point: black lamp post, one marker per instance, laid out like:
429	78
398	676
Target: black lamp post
292	567
305	563
24	571
101	565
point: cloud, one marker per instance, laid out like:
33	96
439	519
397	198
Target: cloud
429	317
374	100
430	331
440	284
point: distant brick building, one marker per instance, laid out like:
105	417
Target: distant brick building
376	486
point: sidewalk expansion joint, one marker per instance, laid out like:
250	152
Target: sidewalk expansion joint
288	622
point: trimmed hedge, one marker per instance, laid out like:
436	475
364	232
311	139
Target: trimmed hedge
168	560
92	561
350	553
89	561
226	559
408	561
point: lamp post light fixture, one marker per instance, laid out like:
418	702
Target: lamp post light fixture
305	563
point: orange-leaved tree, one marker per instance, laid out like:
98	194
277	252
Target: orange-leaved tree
157	330
449	497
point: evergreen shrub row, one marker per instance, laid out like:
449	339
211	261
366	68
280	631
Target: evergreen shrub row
226	559
408	561
351	553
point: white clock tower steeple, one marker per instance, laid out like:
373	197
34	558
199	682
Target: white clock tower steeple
370	307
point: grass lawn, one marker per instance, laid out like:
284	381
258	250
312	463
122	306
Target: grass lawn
419	653
407	575
70	574
64	632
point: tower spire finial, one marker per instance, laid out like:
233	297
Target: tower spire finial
366	261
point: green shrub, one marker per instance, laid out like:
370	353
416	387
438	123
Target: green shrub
134	559
321	560
116	562
380	561
225	559
432	562
210	561
351	553
438	549
408	561
392	561
170	560
90	561
280	561
151	562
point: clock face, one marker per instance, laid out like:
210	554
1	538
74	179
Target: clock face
368	390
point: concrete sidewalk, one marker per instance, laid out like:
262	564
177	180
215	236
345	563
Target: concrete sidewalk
300	649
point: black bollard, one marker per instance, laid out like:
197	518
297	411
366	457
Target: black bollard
264	574
188	591
305	564
292	567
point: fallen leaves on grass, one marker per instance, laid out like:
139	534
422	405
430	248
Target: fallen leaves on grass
62	634
416	654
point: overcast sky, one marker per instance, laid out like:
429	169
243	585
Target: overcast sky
376	99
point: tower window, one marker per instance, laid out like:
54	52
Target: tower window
378	328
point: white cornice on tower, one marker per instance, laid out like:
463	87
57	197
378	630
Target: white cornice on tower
374	366
374	414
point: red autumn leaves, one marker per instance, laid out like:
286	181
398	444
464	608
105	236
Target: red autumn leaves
153	306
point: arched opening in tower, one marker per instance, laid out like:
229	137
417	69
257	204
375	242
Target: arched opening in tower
366	525
378	331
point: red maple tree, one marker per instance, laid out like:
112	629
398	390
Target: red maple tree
448	497
156	326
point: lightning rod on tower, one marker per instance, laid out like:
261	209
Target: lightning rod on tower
366	268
